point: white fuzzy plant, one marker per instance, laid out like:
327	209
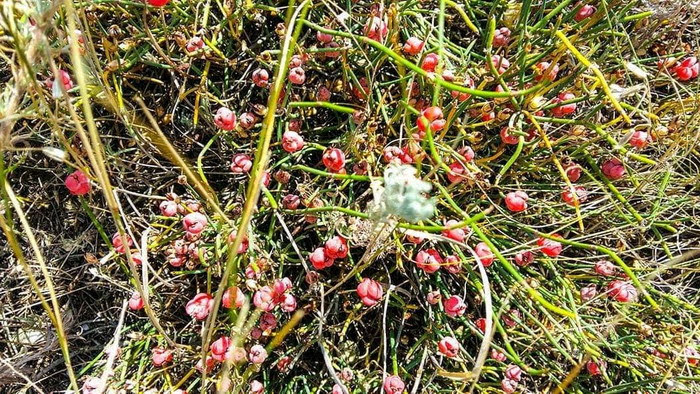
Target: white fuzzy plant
402	195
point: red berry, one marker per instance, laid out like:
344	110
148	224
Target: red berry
429	260
687	69
516	201
297	75
430	62
77	183
550	247
564	109
584	12
369	291
501	37
413	46
333	159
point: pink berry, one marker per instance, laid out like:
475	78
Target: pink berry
639	139
550	247
507	137
161	356
413	46
605	268
501	37
511	318
136	302
369	291
588	292
233	298
430	62
158	3
323	94
319	259
256	387
513	372
498	356
323	37
194	44
376	29
66	81
289	303
687	69
449	346
332	54
243	247
433	297
297	75
77	183
219	348
453	264
573	171
291	202
691	355
457	234
613	169
584	12
247	120
393	385
264	299
292	141
225	119
121	244
509	386
564	109
542	74
432	118
523	259
200	306
500	63
568	196
268	321
457	172
241	163
297	61
622	291
454	306
194	223
484	252
516	201
480	324
333	159
168	208
462	96
336	248
429	260
261	78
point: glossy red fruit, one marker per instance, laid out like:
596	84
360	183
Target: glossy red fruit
613	169
333	159
77	183
564	109
584	12
449	346
687	69
568	196
413	46
550	247
369	291
429	260
430	62
484	252
516	201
